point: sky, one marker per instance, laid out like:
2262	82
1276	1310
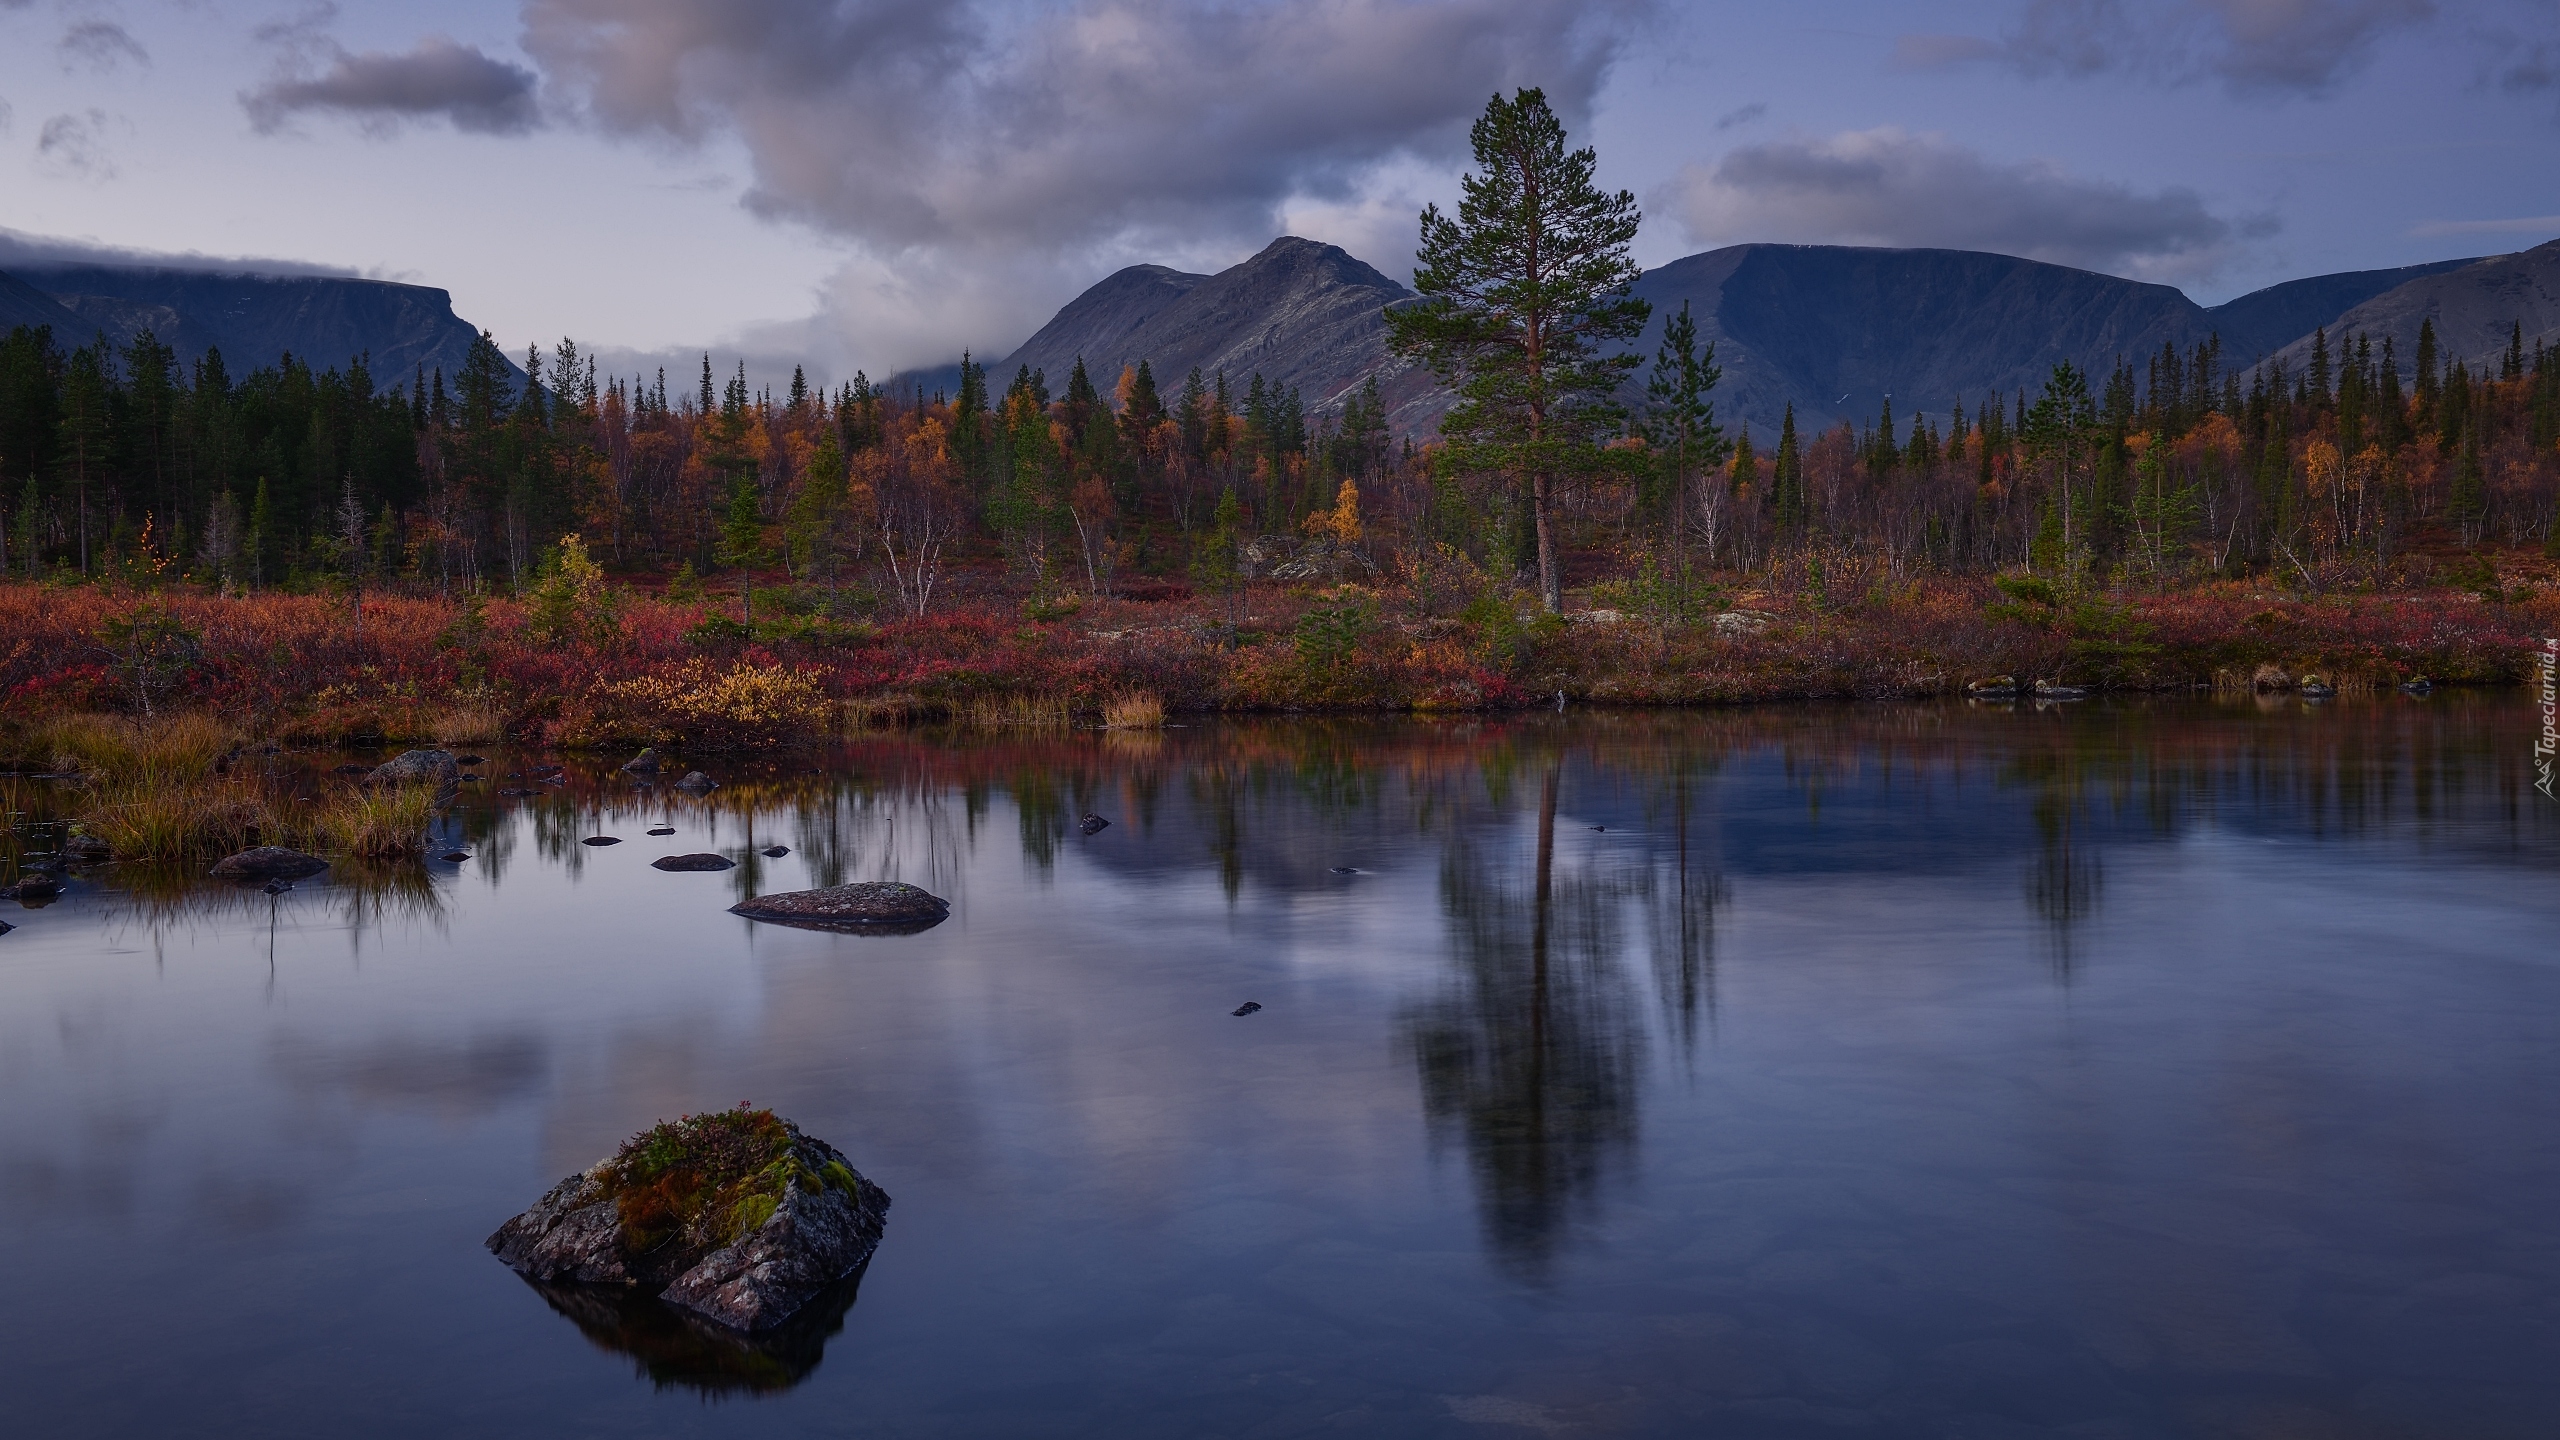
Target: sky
883	183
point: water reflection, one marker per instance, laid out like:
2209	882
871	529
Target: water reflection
1716	1062
1529	1056
675	1349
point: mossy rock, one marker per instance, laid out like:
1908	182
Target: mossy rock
736	1215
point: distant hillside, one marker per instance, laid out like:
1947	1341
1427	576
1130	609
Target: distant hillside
1830	329
24	304
2265	321
2475	309
1299	314
253	319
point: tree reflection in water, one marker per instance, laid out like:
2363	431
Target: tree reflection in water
1529	1057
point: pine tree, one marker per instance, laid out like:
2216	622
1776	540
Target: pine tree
1523	304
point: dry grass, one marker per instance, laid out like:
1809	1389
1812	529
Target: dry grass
1028	712
386	824
466	724
1137	710
165	748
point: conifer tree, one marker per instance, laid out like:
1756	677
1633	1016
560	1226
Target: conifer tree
1523	303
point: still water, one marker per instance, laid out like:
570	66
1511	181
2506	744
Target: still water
2110	1071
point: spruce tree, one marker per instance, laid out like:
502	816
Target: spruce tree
1523	304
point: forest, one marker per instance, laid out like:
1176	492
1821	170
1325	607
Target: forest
120	464
2038	532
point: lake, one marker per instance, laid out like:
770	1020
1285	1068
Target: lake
2111	1070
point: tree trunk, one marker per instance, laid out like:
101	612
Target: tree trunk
1542	509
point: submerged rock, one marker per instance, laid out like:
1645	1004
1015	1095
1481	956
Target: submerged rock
419	767
692	862
774	852
1246	1008
85	849
872	907
457	856
36	887
662	829
737	1216
268	862
602	840
1093	824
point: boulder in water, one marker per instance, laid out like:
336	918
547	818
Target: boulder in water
418	767
874	907
696	780
737	1216
692	862
644	763
268	862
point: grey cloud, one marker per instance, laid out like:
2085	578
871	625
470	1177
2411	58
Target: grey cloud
1053	126
1890	187
2251	46
20	250
76	144
100	45
2537	68
1742	116
438	78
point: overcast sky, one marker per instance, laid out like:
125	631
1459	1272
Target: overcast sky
882	182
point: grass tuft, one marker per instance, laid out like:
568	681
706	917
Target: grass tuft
1136	710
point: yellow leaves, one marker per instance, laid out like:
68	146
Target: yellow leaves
2320	468
1342	522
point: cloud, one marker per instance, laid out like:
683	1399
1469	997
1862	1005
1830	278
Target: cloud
984	161
1743	116
437	78
2250	46
22	251
75	145
2519	225
99	45
1887	186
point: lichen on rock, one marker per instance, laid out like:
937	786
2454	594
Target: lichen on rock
736	1215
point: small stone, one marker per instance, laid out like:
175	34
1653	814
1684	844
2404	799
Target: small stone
775	852
456	857
265	862
692	862
870	907
1344	870
86	849
6	927
602	840
36	887
1246	1008
418	767
662	829
696	780
1093	824
470	760
644	763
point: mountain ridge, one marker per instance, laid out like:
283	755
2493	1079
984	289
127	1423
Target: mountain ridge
1832	330
253	319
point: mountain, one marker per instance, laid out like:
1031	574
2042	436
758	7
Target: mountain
1299	314
24	304
2474	308
254	319
1835	329
2265	321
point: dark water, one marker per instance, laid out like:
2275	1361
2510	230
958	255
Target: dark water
2111	1072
